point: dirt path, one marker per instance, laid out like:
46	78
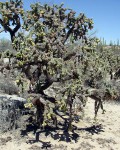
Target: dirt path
89	136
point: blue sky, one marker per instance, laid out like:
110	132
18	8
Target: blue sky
105	14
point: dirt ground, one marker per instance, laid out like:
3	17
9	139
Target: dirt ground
90	135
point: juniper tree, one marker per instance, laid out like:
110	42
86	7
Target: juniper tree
56	44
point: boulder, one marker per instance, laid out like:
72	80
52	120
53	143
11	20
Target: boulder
7	85
12	101
11	107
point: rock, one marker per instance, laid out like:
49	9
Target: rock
11	107
12	100
8	86
51	91
6	60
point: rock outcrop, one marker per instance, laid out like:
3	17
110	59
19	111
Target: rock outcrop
11	107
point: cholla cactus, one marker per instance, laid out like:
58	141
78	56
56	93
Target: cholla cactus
55	48
10	14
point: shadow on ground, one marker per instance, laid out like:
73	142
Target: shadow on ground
60	133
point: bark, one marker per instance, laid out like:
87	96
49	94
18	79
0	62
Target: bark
70	102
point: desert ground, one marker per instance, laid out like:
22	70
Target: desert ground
104	134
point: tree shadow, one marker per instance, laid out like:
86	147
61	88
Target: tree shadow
66	136
45	145
95	129
60	133
29	128
53	132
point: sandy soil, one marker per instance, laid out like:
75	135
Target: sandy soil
101	135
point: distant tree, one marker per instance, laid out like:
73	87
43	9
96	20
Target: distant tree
118	42
104	42
111	43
